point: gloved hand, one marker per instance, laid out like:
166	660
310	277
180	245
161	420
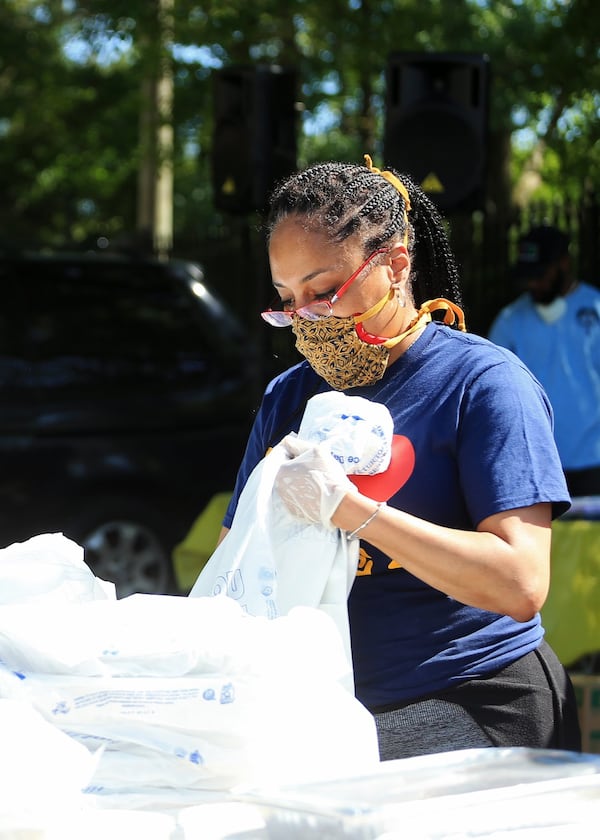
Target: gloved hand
312	483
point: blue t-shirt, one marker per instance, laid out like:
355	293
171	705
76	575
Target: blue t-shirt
565	356
481	428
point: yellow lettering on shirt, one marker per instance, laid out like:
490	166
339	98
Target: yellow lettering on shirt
365	563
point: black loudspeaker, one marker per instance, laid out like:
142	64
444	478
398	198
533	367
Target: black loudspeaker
436	124
254	136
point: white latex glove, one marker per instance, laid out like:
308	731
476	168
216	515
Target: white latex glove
312	483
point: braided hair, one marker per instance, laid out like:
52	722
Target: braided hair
348	200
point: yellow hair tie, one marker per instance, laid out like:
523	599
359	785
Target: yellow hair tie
391	178
398	185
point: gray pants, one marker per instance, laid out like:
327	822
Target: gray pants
430	726
530	703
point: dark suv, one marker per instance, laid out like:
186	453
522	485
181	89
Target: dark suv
126	390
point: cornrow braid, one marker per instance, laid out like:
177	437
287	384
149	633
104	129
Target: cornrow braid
348	200
434	270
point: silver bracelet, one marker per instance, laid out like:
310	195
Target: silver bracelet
369	519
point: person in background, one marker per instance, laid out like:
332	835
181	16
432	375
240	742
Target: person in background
554	328
447	642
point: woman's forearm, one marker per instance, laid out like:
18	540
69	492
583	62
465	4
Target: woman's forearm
502	567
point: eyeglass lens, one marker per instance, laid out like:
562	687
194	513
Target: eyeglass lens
320	308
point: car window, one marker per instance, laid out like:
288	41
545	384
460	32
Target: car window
115	322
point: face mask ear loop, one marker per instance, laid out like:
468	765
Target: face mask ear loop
398	186
377	307
453	315
369	338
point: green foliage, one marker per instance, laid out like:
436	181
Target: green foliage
71	74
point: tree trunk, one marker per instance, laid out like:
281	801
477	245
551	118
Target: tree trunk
155	177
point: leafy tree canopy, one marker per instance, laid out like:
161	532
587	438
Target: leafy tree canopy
72	73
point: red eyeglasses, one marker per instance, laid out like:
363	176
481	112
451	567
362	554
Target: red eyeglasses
319	308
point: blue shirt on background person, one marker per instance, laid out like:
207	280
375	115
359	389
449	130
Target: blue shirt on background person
554	328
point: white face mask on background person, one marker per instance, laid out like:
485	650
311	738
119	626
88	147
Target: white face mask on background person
551	312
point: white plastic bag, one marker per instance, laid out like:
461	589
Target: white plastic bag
41	769
165	636
49	566
279	710
270	561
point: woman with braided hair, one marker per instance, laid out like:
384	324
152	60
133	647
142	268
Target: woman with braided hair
447	642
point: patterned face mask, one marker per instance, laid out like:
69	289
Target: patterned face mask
335	350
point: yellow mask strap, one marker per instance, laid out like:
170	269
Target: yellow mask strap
422	319
377	307
398	185
454	314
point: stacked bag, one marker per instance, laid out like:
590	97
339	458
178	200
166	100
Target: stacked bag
176	700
